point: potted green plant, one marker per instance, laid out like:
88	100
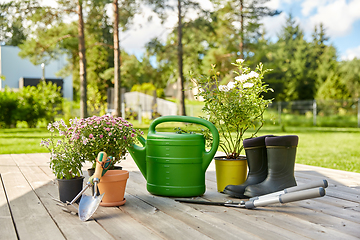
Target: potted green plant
65	161
233	108
111	135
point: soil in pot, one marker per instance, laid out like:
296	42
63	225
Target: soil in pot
230	171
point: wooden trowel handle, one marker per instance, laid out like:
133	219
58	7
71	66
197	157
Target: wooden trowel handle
102	156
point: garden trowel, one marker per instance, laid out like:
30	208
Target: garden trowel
89	204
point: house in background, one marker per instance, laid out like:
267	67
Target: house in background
18	72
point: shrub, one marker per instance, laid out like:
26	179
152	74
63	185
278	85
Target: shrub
8	108
41	102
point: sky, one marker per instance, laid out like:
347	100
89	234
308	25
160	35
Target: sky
341	19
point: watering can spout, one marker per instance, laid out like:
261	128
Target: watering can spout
139	155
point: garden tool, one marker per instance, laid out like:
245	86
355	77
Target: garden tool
88	207
323	183
281	152
174	164
262	202
89	204
256	157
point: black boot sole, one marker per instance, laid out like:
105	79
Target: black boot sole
235	194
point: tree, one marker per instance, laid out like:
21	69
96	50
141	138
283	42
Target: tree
82	62
293	75
243	17
162	8
117	76
42	46
349	73
12	31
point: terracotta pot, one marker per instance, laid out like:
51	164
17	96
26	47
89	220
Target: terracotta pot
91	172
230	171
69	188
113	184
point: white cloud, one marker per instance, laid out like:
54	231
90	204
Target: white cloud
352	53
273	4
134	40
309	5
274	24
337	16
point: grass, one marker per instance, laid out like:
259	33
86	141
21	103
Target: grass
336	148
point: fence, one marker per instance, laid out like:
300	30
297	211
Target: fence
142	104
324	113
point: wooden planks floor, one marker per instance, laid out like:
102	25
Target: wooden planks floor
28	212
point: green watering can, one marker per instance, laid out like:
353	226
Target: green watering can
174	164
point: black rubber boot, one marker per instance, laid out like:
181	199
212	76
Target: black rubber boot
281	153
255	151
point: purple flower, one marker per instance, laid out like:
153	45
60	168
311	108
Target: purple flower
124	137
101	136
110	133
107	129
132	135
91	136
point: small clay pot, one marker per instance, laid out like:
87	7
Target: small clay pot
113	184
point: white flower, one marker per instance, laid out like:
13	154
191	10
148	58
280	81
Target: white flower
242	78
253	74
240	60
248	85
223	88
231	85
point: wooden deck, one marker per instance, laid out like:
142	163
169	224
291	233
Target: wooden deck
28	212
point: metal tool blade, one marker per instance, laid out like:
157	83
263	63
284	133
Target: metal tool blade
88	205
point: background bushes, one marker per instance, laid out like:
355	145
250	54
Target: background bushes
30	104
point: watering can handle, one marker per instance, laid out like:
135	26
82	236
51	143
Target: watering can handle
208	156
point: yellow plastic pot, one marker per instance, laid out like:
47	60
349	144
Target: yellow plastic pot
230	171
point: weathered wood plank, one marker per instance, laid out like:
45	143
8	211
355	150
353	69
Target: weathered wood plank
340	219
164	225
121	225
40	159
283	216
8	231
334	216
342	177
23	159
7	160
225	227
31	218
70	225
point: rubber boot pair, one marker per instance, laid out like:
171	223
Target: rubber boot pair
271	161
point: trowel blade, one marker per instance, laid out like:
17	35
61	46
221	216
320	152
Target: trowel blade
88	205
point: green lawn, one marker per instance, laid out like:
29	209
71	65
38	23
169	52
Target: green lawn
336	148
